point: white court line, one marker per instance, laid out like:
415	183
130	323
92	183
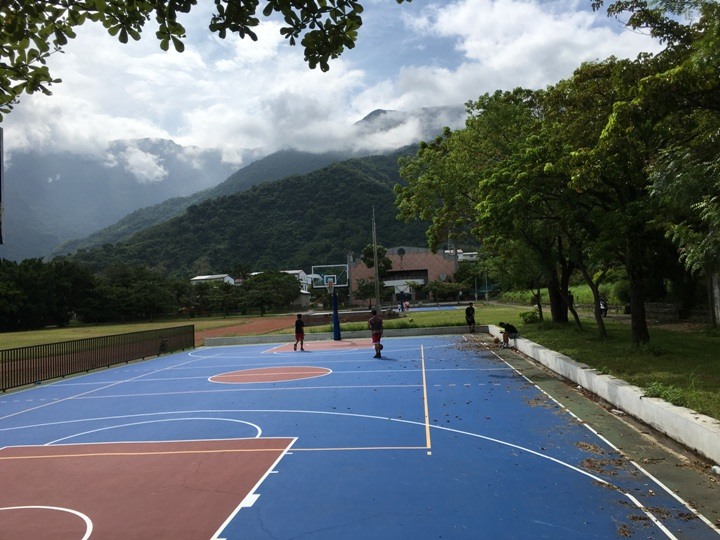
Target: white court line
334	372
82	394
87	520
86	396
309	352
403	421
619	451
258	430
253	496
247	390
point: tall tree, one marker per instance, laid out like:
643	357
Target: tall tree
685	176
613	174
384	262
477	179
270	289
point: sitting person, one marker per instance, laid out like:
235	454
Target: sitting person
509	332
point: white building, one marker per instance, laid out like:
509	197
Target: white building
215	278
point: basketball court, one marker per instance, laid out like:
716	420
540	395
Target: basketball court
439	439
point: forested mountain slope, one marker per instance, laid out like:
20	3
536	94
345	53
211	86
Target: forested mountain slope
296	222
273	167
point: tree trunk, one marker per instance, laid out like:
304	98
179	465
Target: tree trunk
538	303
714	297
566	270
570	304
558	312
595	288
638	319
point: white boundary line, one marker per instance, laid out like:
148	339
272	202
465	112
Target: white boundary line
619	451
253	496
86	519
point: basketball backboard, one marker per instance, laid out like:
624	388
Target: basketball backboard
337	273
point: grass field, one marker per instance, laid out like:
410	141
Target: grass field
11	340
680	365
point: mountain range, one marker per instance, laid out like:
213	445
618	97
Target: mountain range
55	204
297	222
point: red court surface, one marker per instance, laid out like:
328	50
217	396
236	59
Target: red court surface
276	374
130	490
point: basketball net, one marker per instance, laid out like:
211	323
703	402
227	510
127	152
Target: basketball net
330	286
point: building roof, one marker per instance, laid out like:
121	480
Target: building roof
213	277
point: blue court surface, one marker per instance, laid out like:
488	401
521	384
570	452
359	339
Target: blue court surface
438	439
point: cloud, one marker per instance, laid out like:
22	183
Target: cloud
250	98
502	44
144	166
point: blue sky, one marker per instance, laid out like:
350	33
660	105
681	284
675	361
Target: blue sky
249	98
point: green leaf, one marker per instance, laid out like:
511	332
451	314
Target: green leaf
178	44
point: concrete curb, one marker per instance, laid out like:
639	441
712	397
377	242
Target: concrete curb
696	431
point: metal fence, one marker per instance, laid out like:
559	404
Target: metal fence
32	365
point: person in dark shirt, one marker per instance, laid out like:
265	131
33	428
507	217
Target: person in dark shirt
509	332
470	317
299	333
375	324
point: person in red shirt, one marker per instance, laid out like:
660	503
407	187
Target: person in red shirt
375	324
299	333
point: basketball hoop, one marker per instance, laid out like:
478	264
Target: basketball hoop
330	284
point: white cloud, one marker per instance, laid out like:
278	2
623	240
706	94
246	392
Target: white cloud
144	166
248	98
502	44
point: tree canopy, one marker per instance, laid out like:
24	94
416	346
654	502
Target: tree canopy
31	31
593	173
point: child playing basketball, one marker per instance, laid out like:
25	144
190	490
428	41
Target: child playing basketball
375	325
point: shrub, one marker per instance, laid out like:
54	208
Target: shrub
622	291
530	317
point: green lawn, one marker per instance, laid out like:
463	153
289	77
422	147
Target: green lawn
682	367
12	340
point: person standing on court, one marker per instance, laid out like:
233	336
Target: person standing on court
470	317
299	333
375	324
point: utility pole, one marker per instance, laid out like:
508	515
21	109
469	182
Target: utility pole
375	264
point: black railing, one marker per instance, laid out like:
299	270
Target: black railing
32	365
